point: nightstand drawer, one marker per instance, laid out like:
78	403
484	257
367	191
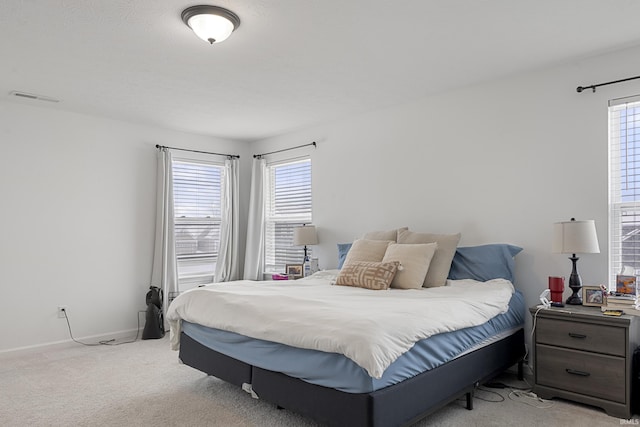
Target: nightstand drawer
590	374
582	336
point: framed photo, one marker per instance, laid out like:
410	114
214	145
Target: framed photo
626	284
294	271
592	296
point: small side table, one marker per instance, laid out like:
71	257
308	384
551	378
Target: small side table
582	355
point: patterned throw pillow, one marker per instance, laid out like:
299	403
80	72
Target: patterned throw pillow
366	274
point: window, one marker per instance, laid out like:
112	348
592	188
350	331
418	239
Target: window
287	205
197	192
624	181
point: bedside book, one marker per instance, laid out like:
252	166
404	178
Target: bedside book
622	297
621	303
626	310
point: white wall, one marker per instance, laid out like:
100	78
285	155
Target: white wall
77	220
499	162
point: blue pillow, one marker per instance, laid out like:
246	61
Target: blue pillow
484	262
343	249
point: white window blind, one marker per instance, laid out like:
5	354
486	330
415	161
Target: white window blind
197	190
624	181
288	204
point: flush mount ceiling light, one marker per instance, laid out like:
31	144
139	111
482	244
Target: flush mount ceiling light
211	23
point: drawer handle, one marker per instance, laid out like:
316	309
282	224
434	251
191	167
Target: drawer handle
572	335
580	373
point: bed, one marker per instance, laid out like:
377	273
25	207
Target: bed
348	372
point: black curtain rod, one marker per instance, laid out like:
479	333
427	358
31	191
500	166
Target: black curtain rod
231	156
593	87
255	156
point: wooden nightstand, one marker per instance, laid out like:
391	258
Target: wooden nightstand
582	355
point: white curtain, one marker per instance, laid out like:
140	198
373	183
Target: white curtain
254	254
227	266
164	274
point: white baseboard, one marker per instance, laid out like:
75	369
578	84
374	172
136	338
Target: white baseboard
58	345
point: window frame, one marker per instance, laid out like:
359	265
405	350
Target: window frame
274	260
193	261
621	151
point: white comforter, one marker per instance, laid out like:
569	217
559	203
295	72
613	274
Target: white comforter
372	328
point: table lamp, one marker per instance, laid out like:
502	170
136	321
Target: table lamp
575	237
305	235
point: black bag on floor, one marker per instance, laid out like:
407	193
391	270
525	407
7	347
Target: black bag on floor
154	324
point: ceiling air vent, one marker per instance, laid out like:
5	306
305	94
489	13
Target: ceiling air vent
25	95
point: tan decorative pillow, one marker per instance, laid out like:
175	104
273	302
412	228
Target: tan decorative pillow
414	260
441	262
366	250
391	235
369	275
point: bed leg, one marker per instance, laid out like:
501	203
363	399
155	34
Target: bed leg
470	400
521	370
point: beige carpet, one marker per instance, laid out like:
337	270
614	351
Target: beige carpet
142	384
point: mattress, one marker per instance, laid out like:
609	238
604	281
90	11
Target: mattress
372	328
336	371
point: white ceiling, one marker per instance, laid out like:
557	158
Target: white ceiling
291	63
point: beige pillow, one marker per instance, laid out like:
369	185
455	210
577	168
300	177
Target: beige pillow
384	235
366	250
369	275
414	260
441	262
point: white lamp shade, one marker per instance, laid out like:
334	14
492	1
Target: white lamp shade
575	237
211	27
305	235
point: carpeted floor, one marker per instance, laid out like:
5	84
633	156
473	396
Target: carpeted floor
142	384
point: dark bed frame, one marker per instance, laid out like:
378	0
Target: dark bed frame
401	404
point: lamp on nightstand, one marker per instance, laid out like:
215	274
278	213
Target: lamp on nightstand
303	236
575	237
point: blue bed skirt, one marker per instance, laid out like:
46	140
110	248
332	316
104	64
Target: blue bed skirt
339	372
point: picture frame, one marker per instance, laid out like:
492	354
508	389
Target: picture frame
626	284
294	271
592	296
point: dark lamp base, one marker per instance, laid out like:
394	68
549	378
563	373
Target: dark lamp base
575	283
574	299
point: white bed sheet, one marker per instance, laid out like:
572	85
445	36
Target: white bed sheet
372	328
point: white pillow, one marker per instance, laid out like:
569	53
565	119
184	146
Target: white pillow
391	235
414	260
441	263
367	250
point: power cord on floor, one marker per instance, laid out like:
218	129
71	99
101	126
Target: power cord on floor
535	401
103	342
522	395
480	388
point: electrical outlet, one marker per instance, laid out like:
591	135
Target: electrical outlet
61	311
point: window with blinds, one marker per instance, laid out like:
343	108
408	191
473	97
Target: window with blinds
287	205
624	181
197	192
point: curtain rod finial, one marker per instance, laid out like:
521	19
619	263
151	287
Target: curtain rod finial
579	89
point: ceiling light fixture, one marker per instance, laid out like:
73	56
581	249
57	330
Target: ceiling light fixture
211	23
